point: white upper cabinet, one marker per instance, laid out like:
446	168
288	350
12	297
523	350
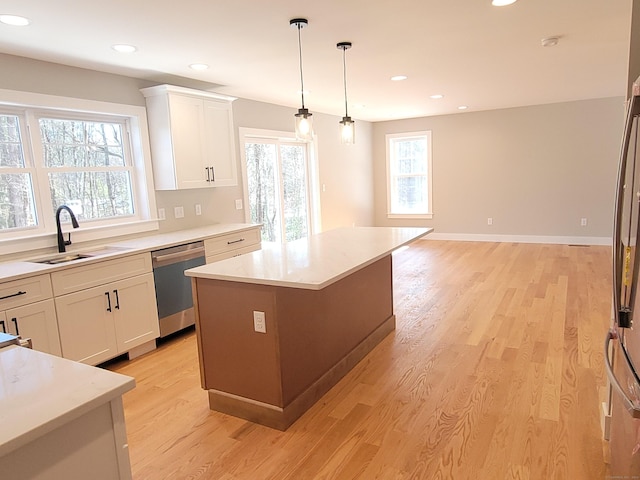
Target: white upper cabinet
192	138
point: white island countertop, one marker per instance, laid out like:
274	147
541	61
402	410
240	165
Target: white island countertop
314	262
41	392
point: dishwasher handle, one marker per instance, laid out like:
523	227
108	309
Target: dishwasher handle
177	254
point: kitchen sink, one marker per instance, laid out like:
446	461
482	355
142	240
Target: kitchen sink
62	258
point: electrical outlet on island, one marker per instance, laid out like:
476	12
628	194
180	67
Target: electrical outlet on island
259	322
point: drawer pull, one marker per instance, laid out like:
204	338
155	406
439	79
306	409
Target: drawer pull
235	241
13	295
4	328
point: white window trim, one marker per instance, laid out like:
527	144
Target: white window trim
388	138
136	116
246	134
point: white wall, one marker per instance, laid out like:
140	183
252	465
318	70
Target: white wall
536	171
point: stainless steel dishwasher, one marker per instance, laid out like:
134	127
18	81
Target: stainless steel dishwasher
173	288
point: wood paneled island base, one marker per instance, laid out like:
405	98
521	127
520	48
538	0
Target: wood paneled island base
327	300
313	338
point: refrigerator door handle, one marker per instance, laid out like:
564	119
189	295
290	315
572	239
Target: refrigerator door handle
631	407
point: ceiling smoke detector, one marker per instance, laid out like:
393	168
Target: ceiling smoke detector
549	41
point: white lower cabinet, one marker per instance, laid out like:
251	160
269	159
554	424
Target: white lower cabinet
36	321
99	323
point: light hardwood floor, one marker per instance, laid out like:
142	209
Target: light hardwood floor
495	371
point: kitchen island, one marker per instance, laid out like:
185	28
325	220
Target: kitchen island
277	328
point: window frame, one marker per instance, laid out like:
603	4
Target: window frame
389	139
33	106
29	168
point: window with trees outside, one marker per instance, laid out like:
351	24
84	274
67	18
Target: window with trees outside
409	175
51	157
277	186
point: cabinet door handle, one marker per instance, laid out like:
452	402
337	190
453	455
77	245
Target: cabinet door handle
208	177
13	295
108	301
117	299
15	322
4	328
213	174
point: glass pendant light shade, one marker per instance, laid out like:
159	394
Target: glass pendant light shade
304	119
347	126
347	131
304	124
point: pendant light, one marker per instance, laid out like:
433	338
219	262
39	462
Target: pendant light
304	120
347	126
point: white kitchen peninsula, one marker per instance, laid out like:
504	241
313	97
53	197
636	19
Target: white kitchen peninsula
277	328
60	419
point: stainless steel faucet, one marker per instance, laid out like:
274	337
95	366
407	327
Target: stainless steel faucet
61	241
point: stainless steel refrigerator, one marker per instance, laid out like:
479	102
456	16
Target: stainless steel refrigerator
622	346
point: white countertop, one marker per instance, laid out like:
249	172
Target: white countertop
170	239
41	392
20	269
311	263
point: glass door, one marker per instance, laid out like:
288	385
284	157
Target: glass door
278	188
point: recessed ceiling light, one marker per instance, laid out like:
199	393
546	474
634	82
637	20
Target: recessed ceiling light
502	3
122	48
198	66
436	96
14	20
462	107
398	78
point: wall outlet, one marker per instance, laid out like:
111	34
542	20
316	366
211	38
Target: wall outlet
583	222
259	323
238	204
198	209
178	212
489	221
161	214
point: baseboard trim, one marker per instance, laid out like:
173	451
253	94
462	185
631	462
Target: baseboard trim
562	240
282	418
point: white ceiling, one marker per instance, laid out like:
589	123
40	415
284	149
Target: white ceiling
467	50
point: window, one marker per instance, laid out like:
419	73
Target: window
88	166
277	175
17	202
53	154
409	175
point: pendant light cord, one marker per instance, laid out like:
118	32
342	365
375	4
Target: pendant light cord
344	69
301	76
